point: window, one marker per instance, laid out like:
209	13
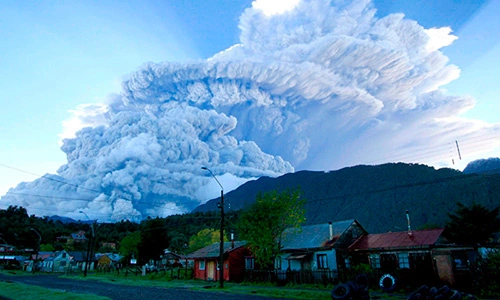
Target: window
249	263
347	262
63	263
202	265
375	261
403	260
64	255
389	261
322	261
421	260
277	263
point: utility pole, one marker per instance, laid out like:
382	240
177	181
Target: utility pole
88	246
221	246
38	248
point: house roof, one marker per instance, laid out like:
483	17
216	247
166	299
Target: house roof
80	235
418	238
214	250
77	256
42	255
313	236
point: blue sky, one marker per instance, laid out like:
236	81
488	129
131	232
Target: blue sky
56	55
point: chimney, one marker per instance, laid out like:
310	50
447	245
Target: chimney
232	239
410	234
331	230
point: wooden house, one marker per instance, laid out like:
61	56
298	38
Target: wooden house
206	266
415	256
57	262
317	247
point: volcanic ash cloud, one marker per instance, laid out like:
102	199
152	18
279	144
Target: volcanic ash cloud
322	86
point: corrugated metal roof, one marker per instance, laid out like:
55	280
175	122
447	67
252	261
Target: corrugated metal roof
418	238
313	236
214	250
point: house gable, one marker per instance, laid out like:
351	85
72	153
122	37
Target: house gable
321	236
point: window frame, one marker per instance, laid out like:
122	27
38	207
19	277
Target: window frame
322	261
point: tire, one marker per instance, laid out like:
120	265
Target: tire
341	292
354	288
444	290
455	295
387	283
424	289
416	296
362	281
420	293
432	292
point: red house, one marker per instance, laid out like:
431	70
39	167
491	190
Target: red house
206	261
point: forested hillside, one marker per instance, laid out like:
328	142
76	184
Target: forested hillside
377	196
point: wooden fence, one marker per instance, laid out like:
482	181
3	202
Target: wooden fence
296	277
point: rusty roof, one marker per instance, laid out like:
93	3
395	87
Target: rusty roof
213	250
418	238
313	236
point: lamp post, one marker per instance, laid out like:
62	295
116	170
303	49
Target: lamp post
89	245
38	248
221	248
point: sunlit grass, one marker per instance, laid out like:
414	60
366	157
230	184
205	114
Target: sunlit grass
19	291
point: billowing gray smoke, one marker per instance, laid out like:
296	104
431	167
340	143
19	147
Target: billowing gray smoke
321	87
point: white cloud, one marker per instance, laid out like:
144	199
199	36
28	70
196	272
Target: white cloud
274	7
439	38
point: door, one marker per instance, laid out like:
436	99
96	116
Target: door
211	270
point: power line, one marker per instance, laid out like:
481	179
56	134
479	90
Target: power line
51	178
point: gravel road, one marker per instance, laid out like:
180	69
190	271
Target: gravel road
120	292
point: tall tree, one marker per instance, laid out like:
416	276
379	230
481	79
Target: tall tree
154	239
472	225
263	222
129	245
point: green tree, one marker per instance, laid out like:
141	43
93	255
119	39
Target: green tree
472	225
263	222
47	248
203	238
129	245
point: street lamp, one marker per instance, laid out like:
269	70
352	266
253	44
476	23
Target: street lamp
89	245
38	248
221	249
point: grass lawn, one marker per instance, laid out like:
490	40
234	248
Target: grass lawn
299	292
19	291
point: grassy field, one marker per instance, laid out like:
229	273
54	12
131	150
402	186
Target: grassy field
19	291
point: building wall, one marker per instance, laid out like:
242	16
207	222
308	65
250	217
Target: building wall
236	265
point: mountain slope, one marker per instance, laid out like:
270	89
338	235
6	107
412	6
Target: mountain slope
377	196
490	166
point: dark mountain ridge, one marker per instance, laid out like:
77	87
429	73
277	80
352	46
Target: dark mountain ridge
377	196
